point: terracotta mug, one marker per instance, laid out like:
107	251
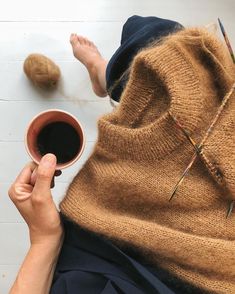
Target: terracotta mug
44	119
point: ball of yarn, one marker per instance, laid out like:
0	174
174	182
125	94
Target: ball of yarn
42	71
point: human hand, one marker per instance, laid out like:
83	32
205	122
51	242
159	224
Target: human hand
31	195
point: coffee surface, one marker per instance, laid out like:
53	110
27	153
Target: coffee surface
60	139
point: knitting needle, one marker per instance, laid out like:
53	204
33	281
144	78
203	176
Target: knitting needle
183	175
197	149
231	205
230	209
226	40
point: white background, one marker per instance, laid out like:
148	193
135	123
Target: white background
44	26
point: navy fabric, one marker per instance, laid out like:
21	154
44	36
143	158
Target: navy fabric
137	32
90	264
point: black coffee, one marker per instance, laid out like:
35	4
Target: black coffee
60	139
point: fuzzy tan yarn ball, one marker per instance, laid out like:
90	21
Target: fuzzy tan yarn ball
42	71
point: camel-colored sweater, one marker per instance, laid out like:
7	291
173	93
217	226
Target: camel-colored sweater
123	189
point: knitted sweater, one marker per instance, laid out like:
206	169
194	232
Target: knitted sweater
122	191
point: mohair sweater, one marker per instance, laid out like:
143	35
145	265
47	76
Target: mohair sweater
123	190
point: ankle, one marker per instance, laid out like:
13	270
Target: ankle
95	64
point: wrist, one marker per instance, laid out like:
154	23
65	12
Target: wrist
46	238
49	243
46	253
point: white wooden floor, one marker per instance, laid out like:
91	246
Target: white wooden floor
44	26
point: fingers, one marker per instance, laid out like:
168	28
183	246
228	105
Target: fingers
20	192
34	177
45	173
25	175
21	189
41	177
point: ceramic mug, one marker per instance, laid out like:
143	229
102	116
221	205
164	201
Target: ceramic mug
45	119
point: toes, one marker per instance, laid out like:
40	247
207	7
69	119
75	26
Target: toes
93	45
87	41
73	39
90	43
82	40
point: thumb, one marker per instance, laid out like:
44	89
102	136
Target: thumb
45	173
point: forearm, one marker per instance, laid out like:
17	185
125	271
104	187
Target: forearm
36	273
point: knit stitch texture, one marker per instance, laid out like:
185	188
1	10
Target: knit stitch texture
122	191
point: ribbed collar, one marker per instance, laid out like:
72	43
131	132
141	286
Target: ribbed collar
172	64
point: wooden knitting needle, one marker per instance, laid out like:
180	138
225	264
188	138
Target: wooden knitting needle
230	209
226	40
197	151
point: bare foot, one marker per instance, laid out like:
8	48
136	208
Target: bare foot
87	53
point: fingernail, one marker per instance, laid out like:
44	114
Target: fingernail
49	160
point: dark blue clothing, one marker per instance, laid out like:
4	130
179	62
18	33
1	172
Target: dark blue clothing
89	264
136	34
